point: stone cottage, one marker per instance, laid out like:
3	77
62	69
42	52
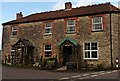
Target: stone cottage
87	36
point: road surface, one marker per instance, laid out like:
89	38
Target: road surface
18	73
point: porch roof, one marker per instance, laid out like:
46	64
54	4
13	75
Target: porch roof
67	39
24	42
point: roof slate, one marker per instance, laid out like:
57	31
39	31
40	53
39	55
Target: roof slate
79	11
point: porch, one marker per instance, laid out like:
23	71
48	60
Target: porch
69	53
22	52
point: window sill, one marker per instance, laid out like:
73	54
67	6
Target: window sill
97	31
90	59
14	36
70	32
47	57
46	34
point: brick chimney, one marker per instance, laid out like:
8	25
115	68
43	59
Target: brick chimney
19	15
68	5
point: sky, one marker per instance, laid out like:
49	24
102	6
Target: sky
9	8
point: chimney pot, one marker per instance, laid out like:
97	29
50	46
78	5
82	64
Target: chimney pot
19	15
68	5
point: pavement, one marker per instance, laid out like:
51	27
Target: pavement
0	72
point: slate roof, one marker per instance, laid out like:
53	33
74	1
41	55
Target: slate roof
79	11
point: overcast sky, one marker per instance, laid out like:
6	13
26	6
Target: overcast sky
9	8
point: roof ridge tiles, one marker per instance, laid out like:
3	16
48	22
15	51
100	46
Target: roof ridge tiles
94	5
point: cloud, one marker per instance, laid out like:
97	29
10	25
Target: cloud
37	11
59	0
29	0
115	5
0	25
60	4
82	3
0	36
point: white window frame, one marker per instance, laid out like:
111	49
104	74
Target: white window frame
14	30
93	24
12	49
46	27
68	26
47	50
90	51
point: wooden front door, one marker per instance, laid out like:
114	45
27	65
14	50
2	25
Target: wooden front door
67	52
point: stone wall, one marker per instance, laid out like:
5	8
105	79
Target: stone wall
119	40
34	32
6	41
101	37
115	38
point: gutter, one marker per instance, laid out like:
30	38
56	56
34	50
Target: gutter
9	23
111	42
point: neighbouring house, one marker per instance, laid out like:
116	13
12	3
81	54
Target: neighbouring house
87	36
0	57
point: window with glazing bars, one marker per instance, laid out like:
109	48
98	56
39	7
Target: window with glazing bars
47	50
91	50
70	27
97	24
48	27
14	30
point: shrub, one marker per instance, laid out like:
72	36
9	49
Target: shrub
100	67
50	63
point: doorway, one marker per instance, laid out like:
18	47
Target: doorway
67	52
23	52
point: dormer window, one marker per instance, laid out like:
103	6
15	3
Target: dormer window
97	24
14	31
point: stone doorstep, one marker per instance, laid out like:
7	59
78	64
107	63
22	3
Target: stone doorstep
9	63
36	64
63	68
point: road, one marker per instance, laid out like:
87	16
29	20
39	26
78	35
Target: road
17	73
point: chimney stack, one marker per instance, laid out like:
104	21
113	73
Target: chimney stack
68	5
19	15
